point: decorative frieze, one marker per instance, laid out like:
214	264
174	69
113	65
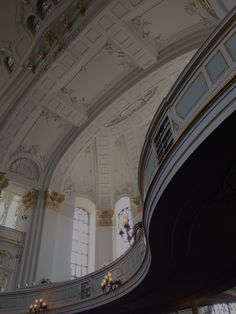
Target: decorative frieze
29	200
53	200
3	182
104	217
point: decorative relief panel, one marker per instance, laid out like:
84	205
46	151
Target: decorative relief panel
132	108
48	116
125	61
144	26
26	168
203	9
33	150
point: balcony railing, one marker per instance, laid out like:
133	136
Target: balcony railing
208	74
71	294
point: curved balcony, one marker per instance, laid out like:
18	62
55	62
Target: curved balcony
186	157
84	293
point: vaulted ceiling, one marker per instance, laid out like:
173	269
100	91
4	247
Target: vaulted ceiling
83	89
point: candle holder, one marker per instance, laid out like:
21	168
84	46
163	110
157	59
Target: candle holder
108	284
127	232
39	306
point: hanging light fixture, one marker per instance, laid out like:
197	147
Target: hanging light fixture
127	232
108	285
39	306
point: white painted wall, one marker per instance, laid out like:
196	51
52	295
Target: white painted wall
47	246
104	246
63	241
55	251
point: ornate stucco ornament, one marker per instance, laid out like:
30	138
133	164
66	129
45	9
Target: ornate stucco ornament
53	200
104	217
29	200
132	108
3	182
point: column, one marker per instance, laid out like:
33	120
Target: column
46	252
28	224
104	237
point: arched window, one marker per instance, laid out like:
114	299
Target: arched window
124	219
33	24
9	209
80	240
43	8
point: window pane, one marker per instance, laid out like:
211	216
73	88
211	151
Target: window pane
79	255
216	67
75	235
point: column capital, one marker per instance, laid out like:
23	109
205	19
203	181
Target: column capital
53	200
29	200
104	217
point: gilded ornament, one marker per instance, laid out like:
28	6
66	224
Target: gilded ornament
104	217
53	200
29	200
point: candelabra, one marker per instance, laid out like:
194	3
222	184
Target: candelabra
108	285
38	306
127	232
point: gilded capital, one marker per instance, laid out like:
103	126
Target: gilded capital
104	217
29	200
53	200
3	182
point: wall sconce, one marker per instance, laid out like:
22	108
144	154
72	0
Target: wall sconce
108	285
127	232
38	306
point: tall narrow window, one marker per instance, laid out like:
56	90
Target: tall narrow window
123	215
80	238
9	209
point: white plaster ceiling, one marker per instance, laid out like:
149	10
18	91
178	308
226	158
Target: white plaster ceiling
78	121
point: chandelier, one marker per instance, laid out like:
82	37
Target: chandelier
39	306
108	284
127	232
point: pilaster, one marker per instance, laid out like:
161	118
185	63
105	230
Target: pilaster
104	237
